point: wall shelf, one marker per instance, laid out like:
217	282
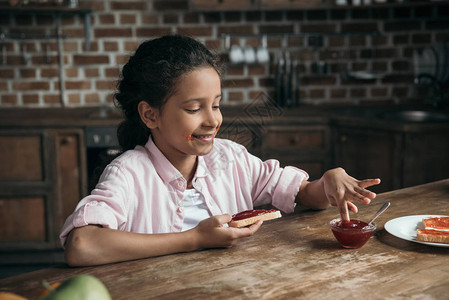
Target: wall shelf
271	5
57	12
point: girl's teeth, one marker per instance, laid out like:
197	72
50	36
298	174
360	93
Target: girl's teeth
203	137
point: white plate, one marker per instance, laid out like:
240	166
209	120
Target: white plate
405	228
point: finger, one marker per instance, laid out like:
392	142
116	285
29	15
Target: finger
344	212
222	219
353	207
254	227
365	193
248	230
369	182
360	196
356	197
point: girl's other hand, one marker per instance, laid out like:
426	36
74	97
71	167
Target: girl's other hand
211	232
342	190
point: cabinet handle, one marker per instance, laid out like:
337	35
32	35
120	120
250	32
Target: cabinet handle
343	138
295	140
65	141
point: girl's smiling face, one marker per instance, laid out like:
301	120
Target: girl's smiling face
190	118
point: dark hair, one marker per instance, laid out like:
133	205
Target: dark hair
151	75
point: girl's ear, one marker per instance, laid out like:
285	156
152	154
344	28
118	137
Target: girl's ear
148	114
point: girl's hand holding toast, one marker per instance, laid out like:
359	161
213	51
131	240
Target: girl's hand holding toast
211	232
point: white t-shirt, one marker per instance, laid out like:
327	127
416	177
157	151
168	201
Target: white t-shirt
195	209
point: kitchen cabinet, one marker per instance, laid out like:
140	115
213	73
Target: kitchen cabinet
244	132
304	146
425	156
402	155
369	153
42	177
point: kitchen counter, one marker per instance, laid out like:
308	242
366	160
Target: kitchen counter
295	256
379	117
403	119
111	116
60	117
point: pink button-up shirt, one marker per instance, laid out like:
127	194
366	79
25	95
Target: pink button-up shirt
141	191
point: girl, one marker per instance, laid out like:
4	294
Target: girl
176	186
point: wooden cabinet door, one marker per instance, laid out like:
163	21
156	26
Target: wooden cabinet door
70	167
42	178
24	197
302	146
244	133
21	157
366	153
22	219
426	158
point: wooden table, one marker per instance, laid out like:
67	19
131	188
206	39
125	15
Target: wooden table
288	258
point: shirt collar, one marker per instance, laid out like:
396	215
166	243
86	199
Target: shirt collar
164	167
201	170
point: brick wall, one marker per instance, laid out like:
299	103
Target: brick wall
29	68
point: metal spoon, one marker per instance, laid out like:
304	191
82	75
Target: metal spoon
381	210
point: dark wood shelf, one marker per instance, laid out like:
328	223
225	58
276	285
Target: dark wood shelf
41	10
57	11
217	6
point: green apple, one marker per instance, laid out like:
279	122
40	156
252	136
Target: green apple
81	287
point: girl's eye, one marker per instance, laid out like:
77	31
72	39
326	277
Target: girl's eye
216	107
192	111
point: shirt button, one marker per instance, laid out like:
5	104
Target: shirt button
180	209
180	184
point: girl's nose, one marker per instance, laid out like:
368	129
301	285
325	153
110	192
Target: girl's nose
213	118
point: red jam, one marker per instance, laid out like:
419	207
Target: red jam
353	233
351	224
250	213
437	222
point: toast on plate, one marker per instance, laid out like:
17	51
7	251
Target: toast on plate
433	236
436	230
